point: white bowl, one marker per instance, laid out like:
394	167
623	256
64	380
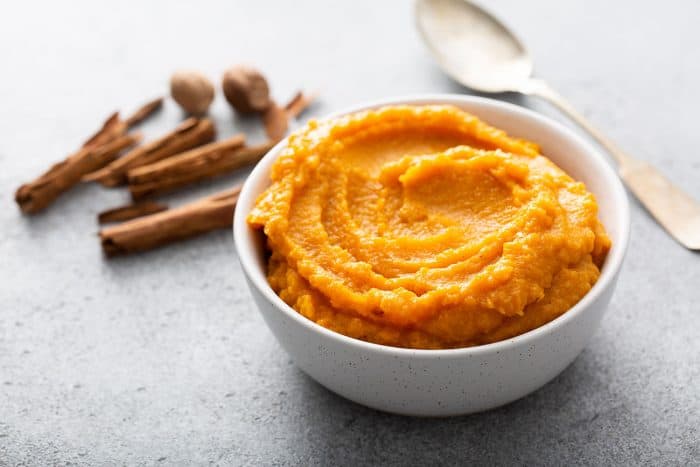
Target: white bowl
454	381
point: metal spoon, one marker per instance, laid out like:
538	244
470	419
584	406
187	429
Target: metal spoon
478	51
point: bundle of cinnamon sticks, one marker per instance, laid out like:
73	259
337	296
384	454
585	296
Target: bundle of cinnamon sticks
188	154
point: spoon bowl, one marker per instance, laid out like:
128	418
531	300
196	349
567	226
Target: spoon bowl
472	46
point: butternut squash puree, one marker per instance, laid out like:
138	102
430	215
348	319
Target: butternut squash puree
423	227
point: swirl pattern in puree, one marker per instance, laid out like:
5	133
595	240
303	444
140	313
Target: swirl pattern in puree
424	227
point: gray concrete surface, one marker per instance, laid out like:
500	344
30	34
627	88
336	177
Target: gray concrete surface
161	358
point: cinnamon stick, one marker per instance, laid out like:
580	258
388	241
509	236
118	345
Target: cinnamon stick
96	153
131	211
114	126
198	164
99	150
144	112
190	133
300	102
276	118
213	212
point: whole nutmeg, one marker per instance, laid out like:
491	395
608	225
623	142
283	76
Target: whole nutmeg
192	91
246	89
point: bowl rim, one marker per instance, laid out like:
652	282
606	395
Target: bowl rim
613	263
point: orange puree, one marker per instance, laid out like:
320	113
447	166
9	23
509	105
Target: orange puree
423	227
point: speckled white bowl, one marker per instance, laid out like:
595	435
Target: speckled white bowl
455	381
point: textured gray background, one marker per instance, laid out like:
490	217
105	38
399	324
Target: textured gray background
161	358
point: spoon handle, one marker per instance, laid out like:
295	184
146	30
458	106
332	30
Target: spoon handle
675	210
542	89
